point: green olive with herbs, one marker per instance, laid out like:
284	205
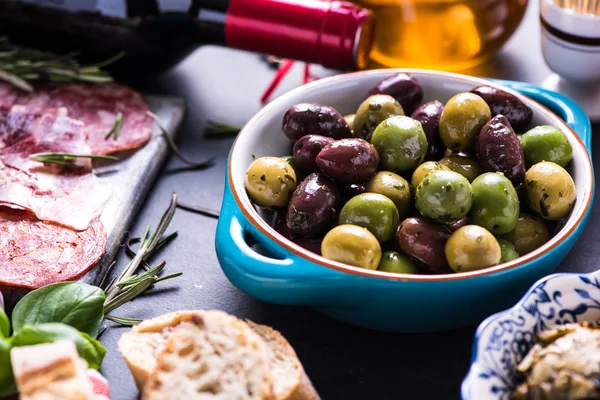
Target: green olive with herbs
424	169
352	245
393	261
270	182
530	233
372	211
392	186
401	144
444	196
507	249
373	111
495	203
466	166
463	117
471	248
546	143
550	190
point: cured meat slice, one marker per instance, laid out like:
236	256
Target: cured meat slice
37	253
97	106
67	196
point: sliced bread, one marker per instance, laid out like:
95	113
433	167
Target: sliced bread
51	371
291	381
219	358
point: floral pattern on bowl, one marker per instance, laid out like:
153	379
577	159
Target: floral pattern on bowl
502	340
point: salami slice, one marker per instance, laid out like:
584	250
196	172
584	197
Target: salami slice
97	106
67	196
37	253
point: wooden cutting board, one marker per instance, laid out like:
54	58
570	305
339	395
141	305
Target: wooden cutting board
131	178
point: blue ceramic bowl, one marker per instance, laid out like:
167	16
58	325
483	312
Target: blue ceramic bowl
504	339
265	265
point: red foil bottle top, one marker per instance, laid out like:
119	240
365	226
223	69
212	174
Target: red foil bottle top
335	34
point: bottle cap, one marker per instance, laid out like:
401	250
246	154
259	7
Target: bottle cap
335	34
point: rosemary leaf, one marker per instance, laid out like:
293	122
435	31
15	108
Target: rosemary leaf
199	210
116	128
66	159
107	62
175	150
219	129
123	320
16	81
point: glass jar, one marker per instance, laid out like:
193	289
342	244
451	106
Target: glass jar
441	34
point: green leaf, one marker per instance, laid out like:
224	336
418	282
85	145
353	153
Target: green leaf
7	381
4	324
76	304
89	349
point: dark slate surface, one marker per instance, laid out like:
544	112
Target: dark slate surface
343	362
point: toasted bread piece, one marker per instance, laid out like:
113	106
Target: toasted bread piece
291	381
51	371
215	356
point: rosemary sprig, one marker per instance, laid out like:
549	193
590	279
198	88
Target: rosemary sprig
173	146
123	320
128	285
116	128
18	65
198	210
66	159
219	129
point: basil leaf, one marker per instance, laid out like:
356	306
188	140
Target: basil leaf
7	381
89	349
4	324
71	303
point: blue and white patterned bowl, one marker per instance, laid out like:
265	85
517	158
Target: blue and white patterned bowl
502	340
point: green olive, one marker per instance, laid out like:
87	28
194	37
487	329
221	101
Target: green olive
471	248
507	250
424	169
530	233
373	111
495	203
466	166
393	186
353	245
546	143
270	181
444	196
373	211
550	190
401	144
463	117
392	261
350	119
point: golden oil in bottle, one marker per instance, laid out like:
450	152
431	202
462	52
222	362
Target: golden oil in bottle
441	34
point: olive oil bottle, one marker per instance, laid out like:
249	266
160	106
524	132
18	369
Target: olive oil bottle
441	34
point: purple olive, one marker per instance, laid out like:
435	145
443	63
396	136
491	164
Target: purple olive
424	241
404	88
306	150
349	160
503	103
314	206
309	243
349	191
458	224
499	150
314	119
429	116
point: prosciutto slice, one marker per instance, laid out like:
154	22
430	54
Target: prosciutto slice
66	196
97	106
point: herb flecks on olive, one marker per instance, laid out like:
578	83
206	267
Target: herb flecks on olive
270	182
550	190
401	144
463	117
352	245
393	186
471	248
373	111
444	196
373	211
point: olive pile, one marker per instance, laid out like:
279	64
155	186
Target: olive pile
452	188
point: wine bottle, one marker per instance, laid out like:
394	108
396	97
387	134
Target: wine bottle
156	34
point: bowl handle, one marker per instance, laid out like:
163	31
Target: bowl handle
277	275
558	103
